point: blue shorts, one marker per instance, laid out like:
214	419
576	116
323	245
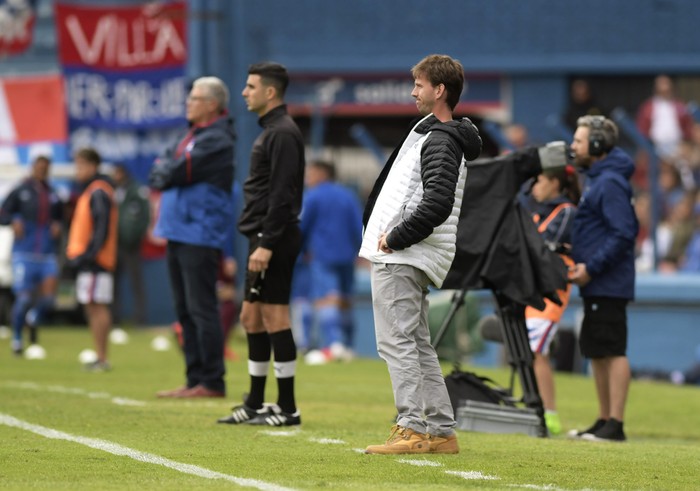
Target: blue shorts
332	279
28	272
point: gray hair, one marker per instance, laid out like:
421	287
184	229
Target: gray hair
601	127
216	89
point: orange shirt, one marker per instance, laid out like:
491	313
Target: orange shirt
82	226
552	311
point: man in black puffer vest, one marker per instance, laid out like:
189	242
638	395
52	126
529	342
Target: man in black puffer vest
410	239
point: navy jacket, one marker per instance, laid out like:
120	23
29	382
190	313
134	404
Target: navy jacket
196	177
605	228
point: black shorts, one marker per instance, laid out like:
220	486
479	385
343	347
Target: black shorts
274	285
604	328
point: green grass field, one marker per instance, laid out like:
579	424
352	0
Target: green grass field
62	428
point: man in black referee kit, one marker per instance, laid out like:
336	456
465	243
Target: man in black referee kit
270	220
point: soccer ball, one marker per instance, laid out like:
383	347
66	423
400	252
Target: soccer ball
87	356
160	343
35	352
315	357
118	336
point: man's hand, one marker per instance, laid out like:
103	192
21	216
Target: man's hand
159	177
259	260
579	275
382	245
18	228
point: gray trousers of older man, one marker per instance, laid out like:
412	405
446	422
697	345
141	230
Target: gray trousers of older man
399	298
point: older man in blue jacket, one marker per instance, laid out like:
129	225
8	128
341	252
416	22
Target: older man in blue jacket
603	238
196	177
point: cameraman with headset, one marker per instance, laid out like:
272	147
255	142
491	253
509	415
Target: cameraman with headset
603	237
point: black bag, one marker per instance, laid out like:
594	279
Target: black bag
468	386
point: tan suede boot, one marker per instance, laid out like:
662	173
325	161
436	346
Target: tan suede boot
402	441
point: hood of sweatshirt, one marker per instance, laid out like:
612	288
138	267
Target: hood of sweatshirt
462	131
616	161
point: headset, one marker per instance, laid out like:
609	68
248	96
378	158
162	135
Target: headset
597	142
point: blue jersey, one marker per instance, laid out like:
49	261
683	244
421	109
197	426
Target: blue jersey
37	206
331	224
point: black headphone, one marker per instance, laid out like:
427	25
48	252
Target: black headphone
597	143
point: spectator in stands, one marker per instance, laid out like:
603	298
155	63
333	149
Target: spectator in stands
665	119
331	227
34	211
681	226
92	250
687	161
690	262
517	136
603	238
134	218
581	103
196	177
644	248
670	186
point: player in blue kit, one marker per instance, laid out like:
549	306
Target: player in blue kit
34	211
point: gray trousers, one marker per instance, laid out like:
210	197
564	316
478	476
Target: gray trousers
399	298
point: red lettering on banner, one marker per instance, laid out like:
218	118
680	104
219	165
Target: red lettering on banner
122	38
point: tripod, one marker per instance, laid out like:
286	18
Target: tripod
517	346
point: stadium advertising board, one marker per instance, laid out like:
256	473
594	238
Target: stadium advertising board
124	70
378	95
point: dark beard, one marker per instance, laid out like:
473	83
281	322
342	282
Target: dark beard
583	162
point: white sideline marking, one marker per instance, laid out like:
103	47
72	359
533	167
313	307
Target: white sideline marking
59	389
327	441
149	458
472	475
358	450
545	487
280	432
420	462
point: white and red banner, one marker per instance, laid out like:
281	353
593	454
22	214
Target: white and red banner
124	69
32	119
17	19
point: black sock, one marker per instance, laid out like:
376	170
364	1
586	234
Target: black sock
259	351
285	367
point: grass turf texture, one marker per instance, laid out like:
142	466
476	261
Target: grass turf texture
344	407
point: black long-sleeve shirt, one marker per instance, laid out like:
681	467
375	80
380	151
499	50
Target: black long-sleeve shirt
275	184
